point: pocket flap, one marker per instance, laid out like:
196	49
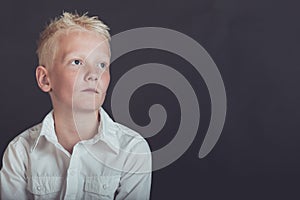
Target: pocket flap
44	185
104	185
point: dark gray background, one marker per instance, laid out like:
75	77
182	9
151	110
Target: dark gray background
255	45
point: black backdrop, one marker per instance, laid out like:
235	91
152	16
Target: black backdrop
253	43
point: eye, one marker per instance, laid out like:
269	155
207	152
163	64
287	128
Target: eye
76	62
102	65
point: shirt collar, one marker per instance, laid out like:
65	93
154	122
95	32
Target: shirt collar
106	131
47	130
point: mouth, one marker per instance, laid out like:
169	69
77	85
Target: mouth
92	90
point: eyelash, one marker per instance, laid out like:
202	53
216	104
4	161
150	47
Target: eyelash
79	62
102	65
74	62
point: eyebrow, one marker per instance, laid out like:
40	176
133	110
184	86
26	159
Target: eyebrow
68	56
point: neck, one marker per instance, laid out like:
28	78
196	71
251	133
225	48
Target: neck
74	126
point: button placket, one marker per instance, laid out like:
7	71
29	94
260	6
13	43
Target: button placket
72	173
104	186
72	179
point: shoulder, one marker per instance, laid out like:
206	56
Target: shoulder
26	139
125	138
131	140
134	147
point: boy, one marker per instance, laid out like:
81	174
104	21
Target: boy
77	152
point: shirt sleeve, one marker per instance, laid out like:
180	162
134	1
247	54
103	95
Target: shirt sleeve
135	182
12	175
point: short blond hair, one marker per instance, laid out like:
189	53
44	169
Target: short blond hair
65	22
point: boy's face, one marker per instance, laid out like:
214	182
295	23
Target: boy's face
79	76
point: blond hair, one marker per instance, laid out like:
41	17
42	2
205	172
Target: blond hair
65	22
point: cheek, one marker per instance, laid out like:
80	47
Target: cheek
65	82
105	79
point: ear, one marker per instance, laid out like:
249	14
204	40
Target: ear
42	78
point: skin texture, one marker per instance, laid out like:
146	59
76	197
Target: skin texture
77	82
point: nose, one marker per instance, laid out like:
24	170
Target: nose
92	73
92	77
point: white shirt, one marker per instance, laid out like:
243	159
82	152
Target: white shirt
114	164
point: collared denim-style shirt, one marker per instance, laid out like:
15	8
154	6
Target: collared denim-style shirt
114	164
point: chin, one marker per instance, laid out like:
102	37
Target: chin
86	107
87	104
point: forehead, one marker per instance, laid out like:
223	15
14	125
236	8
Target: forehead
83	42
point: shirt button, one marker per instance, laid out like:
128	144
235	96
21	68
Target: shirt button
38	188
104	186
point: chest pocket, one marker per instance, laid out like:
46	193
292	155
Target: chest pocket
44	187
101	187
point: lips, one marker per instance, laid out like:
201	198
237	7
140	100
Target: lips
90	90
